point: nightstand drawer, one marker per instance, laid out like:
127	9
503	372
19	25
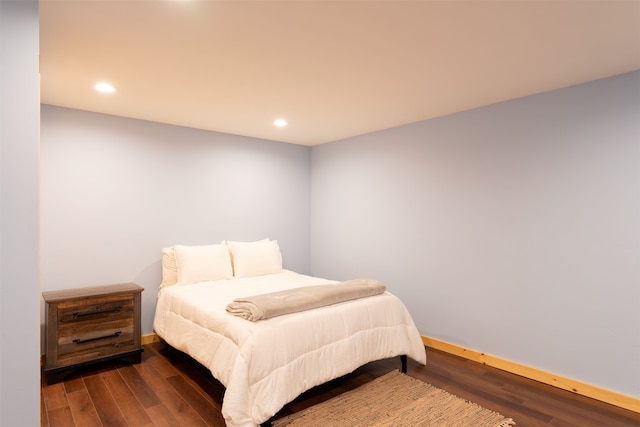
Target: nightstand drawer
94	309
110	338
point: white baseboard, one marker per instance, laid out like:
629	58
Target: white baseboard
594	392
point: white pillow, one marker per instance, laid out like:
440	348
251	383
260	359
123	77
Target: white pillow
169	269
202	263
231	243
255	258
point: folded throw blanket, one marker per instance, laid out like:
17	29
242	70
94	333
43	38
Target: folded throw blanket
305	298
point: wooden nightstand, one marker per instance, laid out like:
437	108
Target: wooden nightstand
88	325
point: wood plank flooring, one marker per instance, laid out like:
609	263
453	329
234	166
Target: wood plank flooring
170	389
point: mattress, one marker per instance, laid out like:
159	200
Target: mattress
268	363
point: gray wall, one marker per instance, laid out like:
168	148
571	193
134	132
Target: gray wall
512	229
115	191
19	296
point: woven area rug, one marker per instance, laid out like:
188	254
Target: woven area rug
395	399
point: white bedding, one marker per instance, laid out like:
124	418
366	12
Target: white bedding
266	364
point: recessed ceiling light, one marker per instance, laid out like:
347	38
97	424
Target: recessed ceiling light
280	123
104	87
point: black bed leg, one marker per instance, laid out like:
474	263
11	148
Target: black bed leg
403	359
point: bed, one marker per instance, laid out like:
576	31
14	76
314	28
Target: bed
267	363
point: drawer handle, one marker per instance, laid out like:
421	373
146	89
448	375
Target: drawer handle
79	341
89	313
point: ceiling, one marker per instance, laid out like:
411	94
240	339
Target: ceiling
332	69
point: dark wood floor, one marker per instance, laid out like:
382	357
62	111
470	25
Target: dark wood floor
170	389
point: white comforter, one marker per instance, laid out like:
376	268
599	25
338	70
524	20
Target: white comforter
266	364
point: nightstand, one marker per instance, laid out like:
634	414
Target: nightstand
89	325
